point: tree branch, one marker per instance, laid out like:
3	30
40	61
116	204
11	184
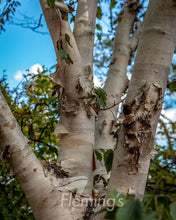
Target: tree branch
115	85
84	29
16	151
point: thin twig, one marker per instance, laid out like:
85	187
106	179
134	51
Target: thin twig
36	140
107	108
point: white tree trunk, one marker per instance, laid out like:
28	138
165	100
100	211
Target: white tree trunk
116	84
52	192
76	127
84	29
144	99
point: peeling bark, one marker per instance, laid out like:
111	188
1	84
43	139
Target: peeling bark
75	128
115	85
46	185
144	99
136	120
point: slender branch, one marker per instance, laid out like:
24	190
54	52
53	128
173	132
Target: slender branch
167	118
171	82
30	23
43	131
166	132
117	103
134	40
39	141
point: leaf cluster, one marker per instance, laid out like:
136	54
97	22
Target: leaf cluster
107	156
133	209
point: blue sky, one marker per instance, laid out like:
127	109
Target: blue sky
21	48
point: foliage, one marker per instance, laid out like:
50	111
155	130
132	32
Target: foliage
13	203
35	109
172	86
107	155
51	3
133	209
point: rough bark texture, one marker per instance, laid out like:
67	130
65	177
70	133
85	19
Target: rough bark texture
144	99
48	188
58	191
76	127
115	85
45	186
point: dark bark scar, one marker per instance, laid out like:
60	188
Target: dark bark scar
137	121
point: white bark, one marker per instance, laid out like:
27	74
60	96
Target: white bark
45	190
115	85
50	196
144	99
75	80
16	151
76	128
84	29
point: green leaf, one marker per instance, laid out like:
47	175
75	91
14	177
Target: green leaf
108	159
2	20
99	13
111	214
101	93
173	210
113	4
98	27
172	86
119	198
69	60
102	150
54	150
133	210
99	36
64	55
89	102
150	216
98	155
72	19
51	3
113	194
101	102
67	38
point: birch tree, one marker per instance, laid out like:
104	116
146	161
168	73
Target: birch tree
64	190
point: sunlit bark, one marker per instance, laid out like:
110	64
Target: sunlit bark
144	99
61	193
115	85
